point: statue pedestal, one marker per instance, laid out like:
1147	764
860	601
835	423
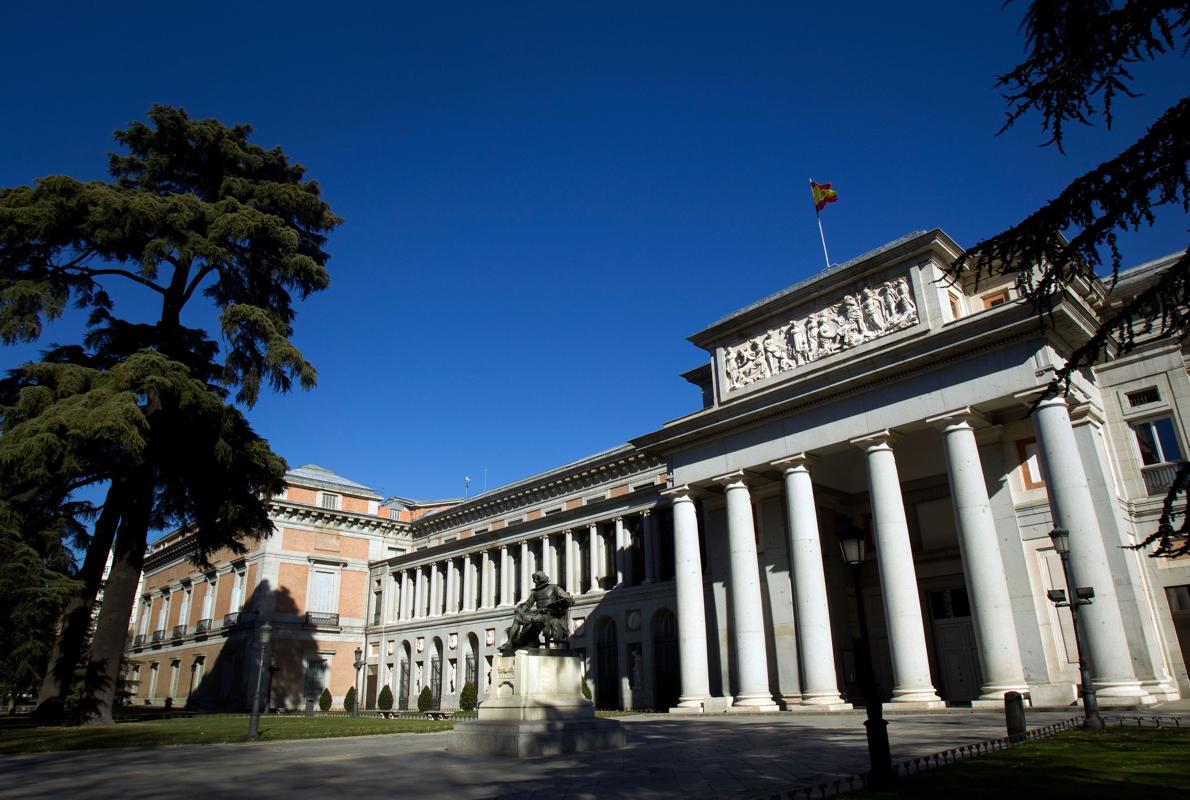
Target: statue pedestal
536	708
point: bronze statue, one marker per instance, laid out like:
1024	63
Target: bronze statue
541	616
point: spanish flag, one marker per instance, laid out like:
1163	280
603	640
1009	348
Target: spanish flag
822	194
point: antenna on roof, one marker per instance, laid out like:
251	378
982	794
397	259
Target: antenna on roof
485	479
467	486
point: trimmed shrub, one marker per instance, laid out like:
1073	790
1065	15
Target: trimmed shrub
469	697
324	701
349	699
385	701
425	699
586	689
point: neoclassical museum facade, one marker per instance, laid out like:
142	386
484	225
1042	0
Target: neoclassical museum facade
879	395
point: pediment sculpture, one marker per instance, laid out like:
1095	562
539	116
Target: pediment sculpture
875	310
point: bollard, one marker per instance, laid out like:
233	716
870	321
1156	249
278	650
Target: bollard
1014	716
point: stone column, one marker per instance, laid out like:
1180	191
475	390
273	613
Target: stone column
435	590
692	620
419	593
747	608
451	606
648	531
468	583
549	557
1073	508
621	540
403	596
983	567
486	591
568	545
593	554
898	580
505	576
527	571
821	686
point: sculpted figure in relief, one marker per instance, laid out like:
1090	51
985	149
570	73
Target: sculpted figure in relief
857	318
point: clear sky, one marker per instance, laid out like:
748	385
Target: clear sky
543	200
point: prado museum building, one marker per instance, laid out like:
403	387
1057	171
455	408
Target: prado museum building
879	398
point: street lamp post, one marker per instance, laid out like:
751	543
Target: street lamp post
264	636
1083	595
881	774
359	663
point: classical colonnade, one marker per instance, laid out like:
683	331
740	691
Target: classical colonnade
983	567
500	574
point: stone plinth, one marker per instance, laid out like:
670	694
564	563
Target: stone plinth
536	708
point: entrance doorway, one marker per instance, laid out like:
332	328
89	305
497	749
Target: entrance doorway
954	645
607	666
667	679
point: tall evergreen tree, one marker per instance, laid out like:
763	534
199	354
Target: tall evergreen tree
193	208
1080	60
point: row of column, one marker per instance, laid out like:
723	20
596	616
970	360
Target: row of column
982	564
487	577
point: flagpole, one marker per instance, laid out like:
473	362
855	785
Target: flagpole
823	235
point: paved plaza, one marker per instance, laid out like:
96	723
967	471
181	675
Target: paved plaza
666	757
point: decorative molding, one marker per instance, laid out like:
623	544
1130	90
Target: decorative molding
874	311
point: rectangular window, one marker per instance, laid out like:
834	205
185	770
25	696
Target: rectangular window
327	500
1143	397
1026	450
184	615
315	676
237	590
208	599
995	299
322	591
163	613
956	308
1157	441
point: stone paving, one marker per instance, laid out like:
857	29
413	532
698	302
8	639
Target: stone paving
666	757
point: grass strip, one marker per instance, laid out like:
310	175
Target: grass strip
1152	763
204	729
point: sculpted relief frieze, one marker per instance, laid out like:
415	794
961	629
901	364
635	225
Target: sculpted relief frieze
875	310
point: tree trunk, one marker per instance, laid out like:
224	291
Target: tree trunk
119	594
76	617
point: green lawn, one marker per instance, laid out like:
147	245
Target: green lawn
210	729
1118	763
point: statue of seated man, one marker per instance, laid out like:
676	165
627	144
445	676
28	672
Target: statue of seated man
541	616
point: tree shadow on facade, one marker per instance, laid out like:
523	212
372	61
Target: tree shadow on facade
292	675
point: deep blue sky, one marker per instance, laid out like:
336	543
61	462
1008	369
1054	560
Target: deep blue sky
544	200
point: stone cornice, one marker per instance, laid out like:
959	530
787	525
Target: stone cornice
281	511
987	331
557	484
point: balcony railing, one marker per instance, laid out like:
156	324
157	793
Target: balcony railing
179	631
138	640
322	619
231	620
203	626
1159	477
159	634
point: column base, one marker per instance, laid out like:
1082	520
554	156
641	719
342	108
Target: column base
746	703
788	701
1121	690
702	705
822	708
823	699
913	705
926	694
994	695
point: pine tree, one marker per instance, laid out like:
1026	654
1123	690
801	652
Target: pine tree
385	701
193	207
349	699
1081	53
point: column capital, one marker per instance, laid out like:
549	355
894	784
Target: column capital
618	518
878	440
644	512
679	494
965	417
731	478
567	531
798	462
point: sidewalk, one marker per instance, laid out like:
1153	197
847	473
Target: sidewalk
690	757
